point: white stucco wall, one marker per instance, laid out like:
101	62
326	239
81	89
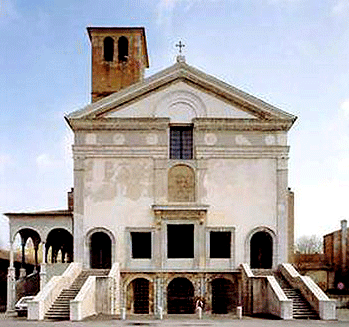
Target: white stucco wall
181	102
241	193
240	175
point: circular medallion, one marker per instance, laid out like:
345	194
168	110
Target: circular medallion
270	140
210	139
152	139
119	139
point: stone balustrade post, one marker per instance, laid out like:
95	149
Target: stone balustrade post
11	283
43	276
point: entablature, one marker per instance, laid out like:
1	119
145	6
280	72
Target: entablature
180	212
215	124
140	124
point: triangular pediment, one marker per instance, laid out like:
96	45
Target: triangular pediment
181	93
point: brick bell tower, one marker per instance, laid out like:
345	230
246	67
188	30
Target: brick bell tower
119	58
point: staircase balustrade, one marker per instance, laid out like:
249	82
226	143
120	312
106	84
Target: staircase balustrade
38	307
325	307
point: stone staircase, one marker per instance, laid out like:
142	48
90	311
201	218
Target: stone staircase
301	307
60	309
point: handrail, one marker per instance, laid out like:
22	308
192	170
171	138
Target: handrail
264	295
325	307
114	282
45	298
84	304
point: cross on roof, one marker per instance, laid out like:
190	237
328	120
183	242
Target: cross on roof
180	45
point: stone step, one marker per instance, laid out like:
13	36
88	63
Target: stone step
57	317
301	307
60	309
59	312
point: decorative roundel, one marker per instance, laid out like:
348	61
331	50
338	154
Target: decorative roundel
90	138
270	140
119	139
210	139
152	139
242	140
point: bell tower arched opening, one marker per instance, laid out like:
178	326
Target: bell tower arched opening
108	49
123	48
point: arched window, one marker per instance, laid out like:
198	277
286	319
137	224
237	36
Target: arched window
123	48
108	49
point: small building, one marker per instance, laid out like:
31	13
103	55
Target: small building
336	251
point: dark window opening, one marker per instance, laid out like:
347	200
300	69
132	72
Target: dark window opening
181	142
180	241
141	245
123	48
108	49
220	244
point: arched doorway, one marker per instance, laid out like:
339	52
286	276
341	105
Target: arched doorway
261	250
223	296
100	251
180	296
140	296
59	240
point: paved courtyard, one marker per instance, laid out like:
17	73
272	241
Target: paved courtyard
343	320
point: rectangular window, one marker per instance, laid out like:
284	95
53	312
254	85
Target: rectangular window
181	142
180	241
141	245
220	243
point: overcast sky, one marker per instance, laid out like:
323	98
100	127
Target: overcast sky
293	54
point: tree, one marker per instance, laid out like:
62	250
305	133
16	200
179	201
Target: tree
308	244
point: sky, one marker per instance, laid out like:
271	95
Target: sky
293	54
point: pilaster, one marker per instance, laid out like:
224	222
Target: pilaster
282	210
158	290
43	275
79	170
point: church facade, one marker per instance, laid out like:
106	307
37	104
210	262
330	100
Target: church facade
179	178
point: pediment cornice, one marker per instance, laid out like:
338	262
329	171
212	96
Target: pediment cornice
192	76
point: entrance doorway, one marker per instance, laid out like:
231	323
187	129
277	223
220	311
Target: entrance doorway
140	296
261	250
180	296
223	296
100	251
